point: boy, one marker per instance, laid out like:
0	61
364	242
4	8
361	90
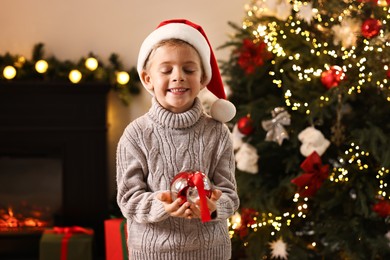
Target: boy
174	64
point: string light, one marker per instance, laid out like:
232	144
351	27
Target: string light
122	77
75	76
9	72
354	160
41	66
91	63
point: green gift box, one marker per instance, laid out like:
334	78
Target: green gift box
66	243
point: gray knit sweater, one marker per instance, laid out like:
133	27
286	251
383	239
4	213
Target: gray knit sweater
151	151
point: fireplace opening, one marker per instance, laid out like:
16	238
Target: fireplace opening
53	136
30	193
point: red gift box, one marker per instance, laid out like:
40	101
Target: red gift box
116	239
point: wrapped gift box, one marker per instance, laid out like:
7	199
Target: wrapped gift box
115	239
69	243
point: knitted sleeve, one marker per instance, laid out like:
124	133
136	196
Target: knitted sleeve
224	178
133	197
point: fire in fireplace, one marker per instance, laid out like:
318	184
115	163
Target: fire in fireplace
30	193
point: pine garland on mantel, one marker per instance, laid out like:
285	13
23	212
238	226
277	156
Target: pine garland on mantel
86	69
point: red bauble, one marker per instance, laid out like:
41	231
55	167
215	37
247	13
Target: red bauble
184	186
245	125
382	208
388	73
332	77
370	28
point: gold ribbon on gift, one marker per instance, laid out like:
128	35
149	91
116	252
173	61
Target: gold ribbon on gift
275	126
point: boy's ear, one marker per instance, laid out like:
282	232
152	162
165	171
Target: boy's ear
202	81
147	80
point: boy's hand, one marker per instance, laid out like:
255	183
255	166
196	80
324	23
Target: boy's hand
211	203
173	208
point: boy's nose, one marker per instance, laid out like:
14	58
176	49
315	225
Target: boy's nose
178	75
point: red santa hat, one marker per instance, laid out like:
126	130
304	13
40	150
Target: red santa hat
221	110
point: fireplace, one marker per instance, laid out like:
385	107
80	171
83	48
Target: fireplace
53	165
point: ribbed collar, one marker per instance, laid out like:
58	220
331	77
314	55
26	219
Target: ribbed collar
169	119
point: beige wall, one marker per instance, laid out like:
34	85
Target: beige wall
71	29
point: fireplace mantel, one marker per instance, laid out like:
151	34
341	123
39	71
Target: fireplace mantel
66	121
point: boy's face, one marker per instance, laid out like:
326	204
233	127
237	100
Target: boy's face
174	74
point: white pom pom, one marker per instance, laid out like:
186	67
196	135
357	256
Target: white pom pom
223	110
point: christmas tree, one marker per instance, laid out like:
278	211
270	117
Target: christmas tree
310	80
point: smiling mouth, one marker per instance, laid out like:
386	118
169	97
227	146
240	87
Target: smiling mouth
177	90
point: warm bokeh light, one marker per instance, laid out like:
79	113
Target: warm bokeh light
41	66
122	77
91	63
9	72
75	76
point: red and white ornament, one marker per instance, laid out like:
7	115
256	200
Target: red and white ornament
192	186
371	28
185	186
331	78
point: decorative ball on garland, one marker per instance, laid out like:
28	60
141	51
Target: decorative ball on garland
331	78
245	125
371	28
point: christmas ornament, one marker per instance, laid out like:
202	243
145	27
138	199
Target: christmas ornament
245	125
192	186
346	32
275	126
371	28
315	174
332	77
247	159
252	55
382	208
306	12
280	9
388	73
312	140
248	218
278	249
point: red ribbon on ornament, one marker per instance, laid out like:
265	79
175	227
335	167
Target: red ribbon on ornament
68	233
197	180
315	174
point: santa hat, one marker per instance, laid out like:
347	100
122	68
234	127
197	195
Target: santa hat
221	110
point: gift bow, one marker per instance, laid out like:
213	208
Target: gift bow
197	181
68	232
72	230
315	174
275	126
